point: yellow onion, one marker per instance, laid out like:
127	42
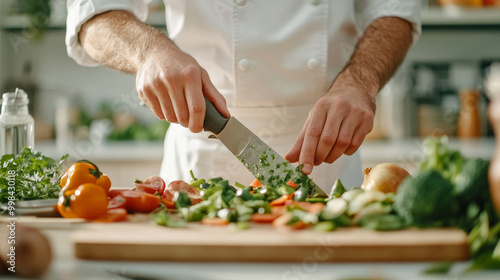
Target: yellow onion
385	177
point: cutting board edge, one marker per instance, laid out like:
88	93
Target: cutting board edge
209	253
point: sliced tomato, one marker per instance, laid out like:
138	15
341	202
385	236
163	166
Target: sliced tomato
152	185
264	218
113	215
280	201
168	203
215	222
168	195
291	184
181	186
195	198
114	192
141	202
255	184
117	202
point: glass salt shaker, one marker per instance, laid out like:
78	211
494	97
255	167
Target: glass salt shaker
17	125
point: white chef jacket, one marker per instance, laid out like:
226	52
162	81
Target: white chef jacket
271	60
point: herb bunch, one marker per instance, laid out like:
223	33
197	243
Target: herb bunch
35	176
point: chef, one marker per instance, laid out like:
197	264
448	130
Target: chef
301	74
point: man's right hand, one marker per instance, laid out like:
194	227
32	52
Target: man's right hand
173	85
170	82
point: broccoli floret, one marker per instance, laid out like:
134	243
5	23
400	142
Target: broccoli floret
426	200
472	182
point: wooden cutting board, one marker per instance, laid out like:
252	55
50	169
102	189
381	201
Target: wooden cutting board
263	243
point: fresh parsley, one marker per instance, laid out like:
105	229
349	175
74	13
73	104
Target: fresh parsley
35	176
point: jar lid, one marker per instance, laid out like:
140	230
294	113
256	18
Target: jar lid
19	97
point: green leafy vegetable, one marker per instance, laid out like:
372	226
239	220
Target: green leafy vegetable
439	268
426	200
35	176
337	190
441	158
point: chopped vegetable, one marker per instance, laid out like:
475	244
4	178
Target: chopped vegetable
117	201
281	200
140	202
337	190
163	218
112	216
152	185
264	218
382	222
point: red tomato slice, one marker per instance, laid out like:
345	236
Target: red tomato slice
113	215
168	195
114	192
117	202
146	188
181	186
151	185
141	202
195	198
264	218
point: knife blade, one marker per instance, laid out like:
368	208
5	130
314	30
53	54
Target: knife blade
262	161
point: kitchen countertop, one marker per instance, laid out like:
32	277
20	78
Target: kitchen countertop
401	150
66	266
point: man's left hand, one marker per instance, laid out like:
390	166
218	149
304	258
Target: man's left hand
337	124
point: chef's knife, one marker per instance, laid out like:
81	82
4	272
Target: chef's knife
260	159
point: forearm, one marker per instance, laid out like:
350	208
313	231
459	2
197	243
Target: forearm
117	39
378	54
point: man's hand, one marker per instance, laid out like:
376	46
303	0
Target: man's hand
340	120
170	82
173	84
337	124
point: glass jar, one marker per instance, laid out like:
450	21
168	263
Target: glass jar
17	125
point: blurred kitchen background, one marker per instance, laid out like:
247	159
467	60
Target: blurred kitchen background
94	113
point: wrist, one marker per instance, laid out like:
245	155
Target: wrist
356	79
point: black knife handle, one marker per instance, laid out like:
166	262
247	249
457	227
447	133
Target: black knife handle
214	120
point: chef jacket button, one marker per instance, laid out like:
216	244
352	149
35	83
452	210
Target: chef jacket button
315	2
241	2
313	63
244	64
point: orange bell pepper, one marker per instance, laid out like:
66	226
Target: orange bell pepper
89	201
83	171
